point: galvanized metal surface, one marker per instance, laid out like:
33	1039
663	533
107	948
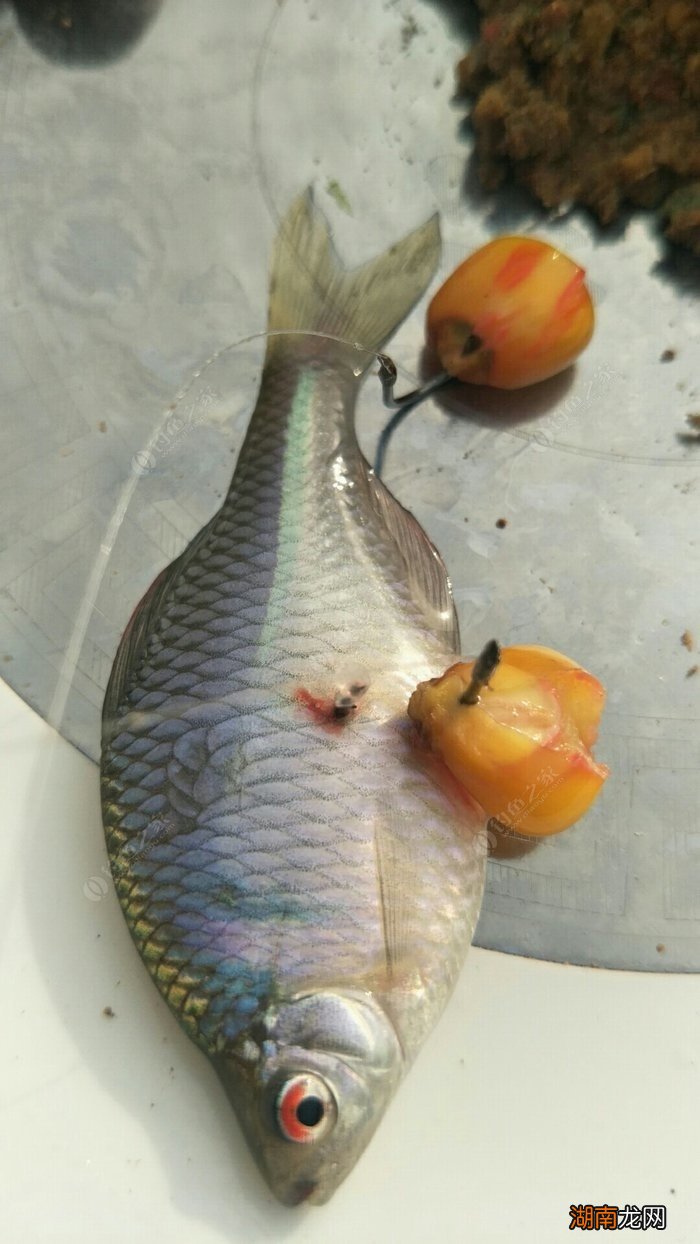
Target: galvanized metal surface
138	201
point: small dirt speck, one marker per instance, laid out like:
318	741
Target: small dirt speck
687	640
7	657
660	948
335	190
108	1012
501	522
692	671
668	355
409	30
102	425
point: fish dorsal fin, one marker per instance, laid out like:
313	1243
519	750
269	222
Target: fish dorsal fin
311	291
131	648
426	573
141	627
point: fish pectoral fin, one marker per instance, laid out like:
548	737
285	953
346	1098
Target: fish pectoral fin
396	882
426	572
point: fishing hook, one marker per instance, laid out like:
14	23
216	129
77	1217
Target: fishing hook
401	405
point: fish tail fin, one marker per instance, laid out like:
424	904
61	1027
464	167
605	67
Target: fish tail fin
311	291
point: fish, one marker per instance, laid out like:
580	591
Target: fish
299	885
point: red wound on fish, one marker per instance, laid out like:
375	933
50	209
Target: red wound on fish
322	709
333	710
318	708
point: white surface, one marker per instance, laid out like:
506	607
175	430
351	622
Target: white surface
542	1086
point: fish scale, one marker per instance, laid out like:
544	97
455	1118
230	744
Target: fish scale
263	853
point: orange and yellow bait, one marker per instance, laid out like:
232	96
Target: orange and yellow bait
515	312
522	749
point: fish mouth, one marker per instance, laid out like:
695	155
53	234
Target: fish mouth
302	1191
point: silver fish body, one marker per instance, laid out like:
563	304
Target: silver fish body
300	888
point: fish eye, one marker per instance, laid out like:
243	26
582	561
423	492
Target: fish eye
305	1109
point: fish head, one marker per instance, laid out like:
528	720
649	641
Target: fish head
309	1083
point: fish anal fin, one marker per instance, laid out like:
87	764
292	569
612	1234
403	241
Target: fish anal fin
426	573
